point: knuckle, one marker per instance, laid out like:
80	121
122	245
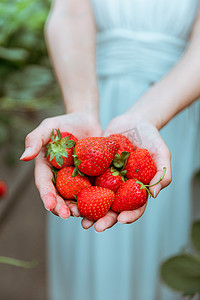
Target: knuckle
28	138
46	122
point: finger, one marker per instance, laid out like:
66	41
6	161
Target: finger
106	222
73	208
163	160
61	209
36	139
86	224
43	181
128	217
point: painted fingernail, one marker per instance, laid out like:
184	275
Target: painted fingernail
26	153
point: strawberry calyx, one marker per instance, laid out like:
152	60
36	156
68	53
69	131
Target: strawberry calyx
77	162
119	161
55	172
116	172
57	147
147	186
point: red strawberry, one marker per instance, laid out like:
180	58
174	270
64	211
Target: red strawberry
94	202
141	166
124	143
3	189
60	149
111	179
93	155
69	186
130	195
125	147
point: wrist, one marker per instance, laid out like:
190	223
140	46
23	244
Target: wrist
141	112
88	105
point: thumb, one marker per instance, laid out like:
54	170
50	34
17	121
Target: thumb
35	140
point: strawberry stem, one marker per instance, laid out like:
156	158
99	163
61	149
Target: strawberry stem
161	178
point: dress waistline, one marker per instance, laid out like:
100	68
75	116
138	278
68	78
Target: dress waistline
143	54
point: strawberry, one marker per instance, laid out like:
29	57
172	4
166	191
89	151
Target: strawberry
3	188
94	202
93	155
60	149
68	186
124	143
111	179
125	147
140	165
130	195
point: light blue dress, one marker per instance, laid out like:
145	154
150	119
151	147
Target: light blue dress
138	42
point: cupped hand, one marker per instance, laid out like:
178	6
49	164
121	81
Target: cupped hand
79	124
143	134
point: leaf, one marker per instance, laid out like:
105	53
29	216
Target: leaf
182	273
29	84
59	160
18	263
13	54
197	175
75	172
69	144
195	235
124	155
55	172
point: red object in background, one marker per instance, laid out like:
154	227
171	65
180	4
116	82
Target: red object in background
3	188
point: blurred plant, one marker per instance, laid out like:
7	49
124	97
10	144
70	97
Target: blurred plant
18	263
182	272
27	83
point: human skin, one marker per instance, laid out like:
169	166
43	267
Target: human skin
70	34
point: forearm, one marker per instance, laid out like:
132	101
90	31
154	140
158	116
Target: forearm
177	90
70	35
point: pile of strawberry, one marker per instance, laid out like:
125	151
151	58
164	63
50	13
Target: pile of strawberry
100	173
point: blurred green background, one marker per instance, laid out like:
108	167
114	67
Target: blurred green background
28	90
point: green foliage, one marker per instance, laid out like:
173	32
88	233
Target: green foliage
27	84
182	272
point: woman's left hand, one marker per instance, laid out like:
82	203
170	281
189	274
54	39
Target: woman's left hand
143	134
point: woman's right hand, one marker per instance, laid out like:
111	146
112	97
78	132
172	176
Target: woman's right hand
80	125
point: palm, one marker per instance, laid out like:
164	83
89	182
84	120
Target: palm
79	124
144	135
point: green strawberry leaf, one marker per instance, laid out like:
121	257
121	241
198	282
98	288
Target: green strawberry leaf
51	156
58	134
55	171
120	161
112	169
64	153
59	160
124	155
123	172
115	173
80	173
66	139
75	172
69	144
48	152
52	135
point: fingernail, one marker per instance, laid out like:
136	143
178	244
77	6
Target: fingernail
122	219
26	153
157	190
